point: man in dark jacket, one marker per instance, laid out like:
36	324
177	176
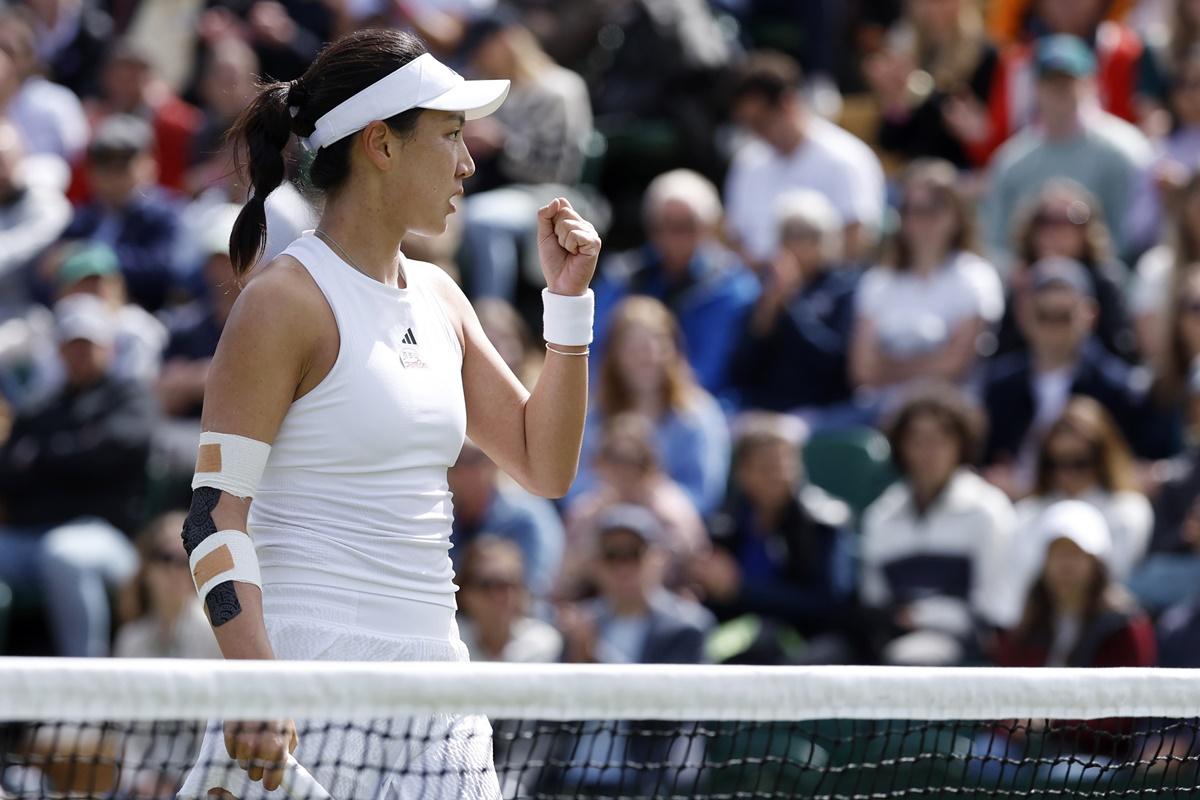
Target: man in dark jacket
72	478
1027	391
128	213
782	548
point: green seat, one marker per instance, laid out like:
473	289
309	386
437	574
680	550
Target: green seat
853	464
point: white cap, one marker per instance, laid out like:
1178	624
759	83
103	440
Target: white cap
423	82
84	316
1079	522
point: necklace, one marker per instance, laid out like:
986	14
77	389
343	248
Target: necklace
346	256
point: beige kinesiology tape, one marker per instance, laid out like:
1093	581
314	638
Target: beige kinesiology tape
224	556
231	463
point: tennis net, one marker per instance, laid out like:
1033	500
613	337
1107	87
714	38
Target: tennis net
133	728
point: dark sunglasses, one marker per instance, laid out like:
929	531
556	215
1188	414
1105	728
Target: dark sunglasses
1059	318
1077	215
1076	464
494	584
1190	307
622	555
924	209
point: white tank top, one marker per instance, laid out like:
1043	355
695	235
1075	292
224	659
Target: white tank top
354	496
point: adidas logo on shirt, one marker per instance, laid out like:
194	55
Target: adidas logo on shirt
409	338
410	356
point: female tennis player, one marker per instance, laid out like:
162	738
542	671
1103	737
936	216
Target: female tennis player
345	380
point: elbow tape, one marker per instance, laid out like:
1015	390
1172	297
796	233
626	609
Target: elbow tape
224	556
234	464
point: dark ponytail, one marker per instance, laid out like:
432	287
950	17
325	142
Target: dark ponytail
261	133
264	128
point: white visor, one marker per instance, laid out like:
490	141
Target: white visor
423	82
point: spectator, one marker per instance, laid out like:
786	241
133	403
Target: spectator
794	148
72	39
791	354
933	545
226	86
1161	281
168	35
1116	48
1027	391
493	618
158	754
130	86
1171	412
195	329
93	269
1083	457
172	623
1176	632
1178	146
684	265
32	215
1063	220
1169	48
72	473
49	116
782	547
921	315
1072	140
510	335
933	80
1171	571
634	620
483	505
127	213
643	370
526	154
628	472
1076	615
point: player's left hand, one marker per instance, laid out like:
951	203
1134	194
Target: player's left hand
568	246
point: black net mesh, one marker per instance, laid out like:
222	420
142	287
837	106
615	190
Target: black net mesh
436	758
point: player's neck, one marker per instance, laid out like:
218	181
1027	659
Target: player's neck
372	249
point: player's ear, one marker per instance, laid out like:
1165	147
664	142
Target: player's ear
379	145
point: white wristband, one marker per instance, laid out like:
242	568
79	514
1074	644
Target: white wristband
224	556
567	319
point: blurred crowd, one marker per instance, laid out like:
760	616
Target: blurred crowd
898	320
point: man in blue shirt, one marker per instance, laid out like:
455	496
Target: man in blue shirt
684	265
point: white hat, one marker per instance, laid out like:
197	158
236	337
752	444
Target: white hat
423	82
84	316
1079	522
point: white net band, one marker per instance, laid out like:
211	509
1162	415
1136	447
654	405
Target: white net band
82	689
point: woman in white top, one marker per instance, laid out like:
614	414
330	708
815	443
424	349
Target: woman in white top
920	315
1084	457
355	373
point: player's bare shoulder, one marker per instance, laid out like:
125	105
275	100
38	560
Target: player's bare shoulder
280	308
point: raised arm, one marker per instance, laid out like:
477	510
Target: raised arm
535	437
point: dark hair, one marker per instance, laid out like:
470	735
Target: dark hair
768	74
957	415
341	70
941	178
1097	243
1087	419
1036	626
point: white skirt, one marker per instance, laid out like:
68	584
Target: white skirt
430	757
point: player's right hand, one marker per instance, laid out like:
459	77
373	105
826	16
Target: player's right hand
261	748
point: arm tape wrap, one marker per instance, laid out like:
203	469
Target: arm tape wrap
230	557
231	463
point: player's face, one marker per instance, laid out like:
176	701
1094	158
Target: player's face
436	162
